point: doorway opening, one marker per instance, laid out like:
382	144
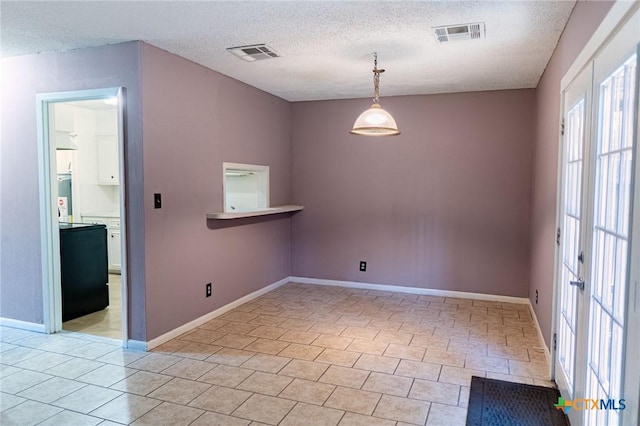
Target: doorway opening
83	212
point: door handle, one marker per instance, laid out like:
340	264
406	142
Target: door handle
579	283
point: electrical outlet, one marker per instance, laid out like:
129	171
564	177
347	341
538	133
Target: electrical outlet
536	297
208	290
157	201
363	266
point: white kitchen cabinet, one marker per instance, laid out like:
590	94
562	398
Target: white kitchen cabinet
114	252
107	160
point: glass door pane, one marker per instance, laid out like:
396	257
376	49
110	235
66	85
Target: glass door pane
610	238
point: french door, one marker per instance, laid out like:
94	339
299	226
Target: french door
594	230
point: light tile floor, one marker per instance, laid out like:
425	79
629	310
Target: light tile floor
300	354
104	323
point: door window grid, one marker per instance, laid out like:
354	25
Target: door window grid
571	243
610	238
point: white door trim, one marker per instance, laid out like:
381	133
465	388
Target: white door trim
49	228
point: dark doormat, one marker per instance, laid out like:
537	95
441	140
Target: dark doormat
499	403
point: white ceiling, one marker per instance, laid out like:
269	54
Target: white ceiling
326	47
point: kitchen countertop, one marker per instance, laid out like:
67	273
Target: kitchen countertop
65	225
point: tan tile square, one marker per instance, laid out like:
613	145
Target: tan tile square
343	376
312	415
360	333
267	332
405	352
215	419
538	370
224	375
446	415
307	391
141	383
233	357
353	320
372	347
220	399
237	328
332	342
427	390
268	320
201	335
168	413
266	363
337	357
235	341
267	346
463	401
466	346
510	352
437	356
479	362
265	409
125	408
388	384
450	332
538	355
265	383
154	362
297	336
394	337
189	369
65	417
297	351
327	328
418	370
354	400
402	409
213	324
458	376
385	325
378	363
236	315
195	350
107	375
29	412
180	391
353	419
50	390
304	369
298	324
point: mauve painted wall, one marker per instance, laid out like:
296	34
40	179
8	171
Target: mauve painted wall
194	119
584	20
22	78
445	205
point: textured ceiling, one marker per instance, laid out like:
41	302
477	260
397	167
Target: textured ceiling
326	47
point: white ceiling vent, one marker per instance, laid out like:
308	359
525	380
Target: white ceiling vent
254	52
460	32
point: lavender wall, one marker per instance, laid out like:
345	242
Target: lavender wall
22	78
584	20
445	205
194	120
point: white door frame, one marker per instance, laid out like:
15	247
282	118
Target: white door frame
619	13
49	227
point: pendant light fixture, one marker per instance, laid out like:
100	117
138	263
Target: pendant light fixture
375	121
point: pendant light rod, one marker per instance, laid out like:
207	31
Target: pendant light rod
375	121
376	79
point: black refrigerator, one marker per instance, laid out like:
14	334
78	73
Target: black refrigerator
84	269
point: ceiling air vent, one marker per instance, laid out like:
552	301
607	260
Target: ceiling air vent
254	52
460	32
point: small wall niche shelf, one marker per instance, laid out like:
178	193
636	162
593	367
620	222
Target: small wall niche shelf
262	212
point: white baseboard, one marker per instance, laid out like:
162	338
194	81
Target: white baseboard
145	346
22	325
540	335
413	290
